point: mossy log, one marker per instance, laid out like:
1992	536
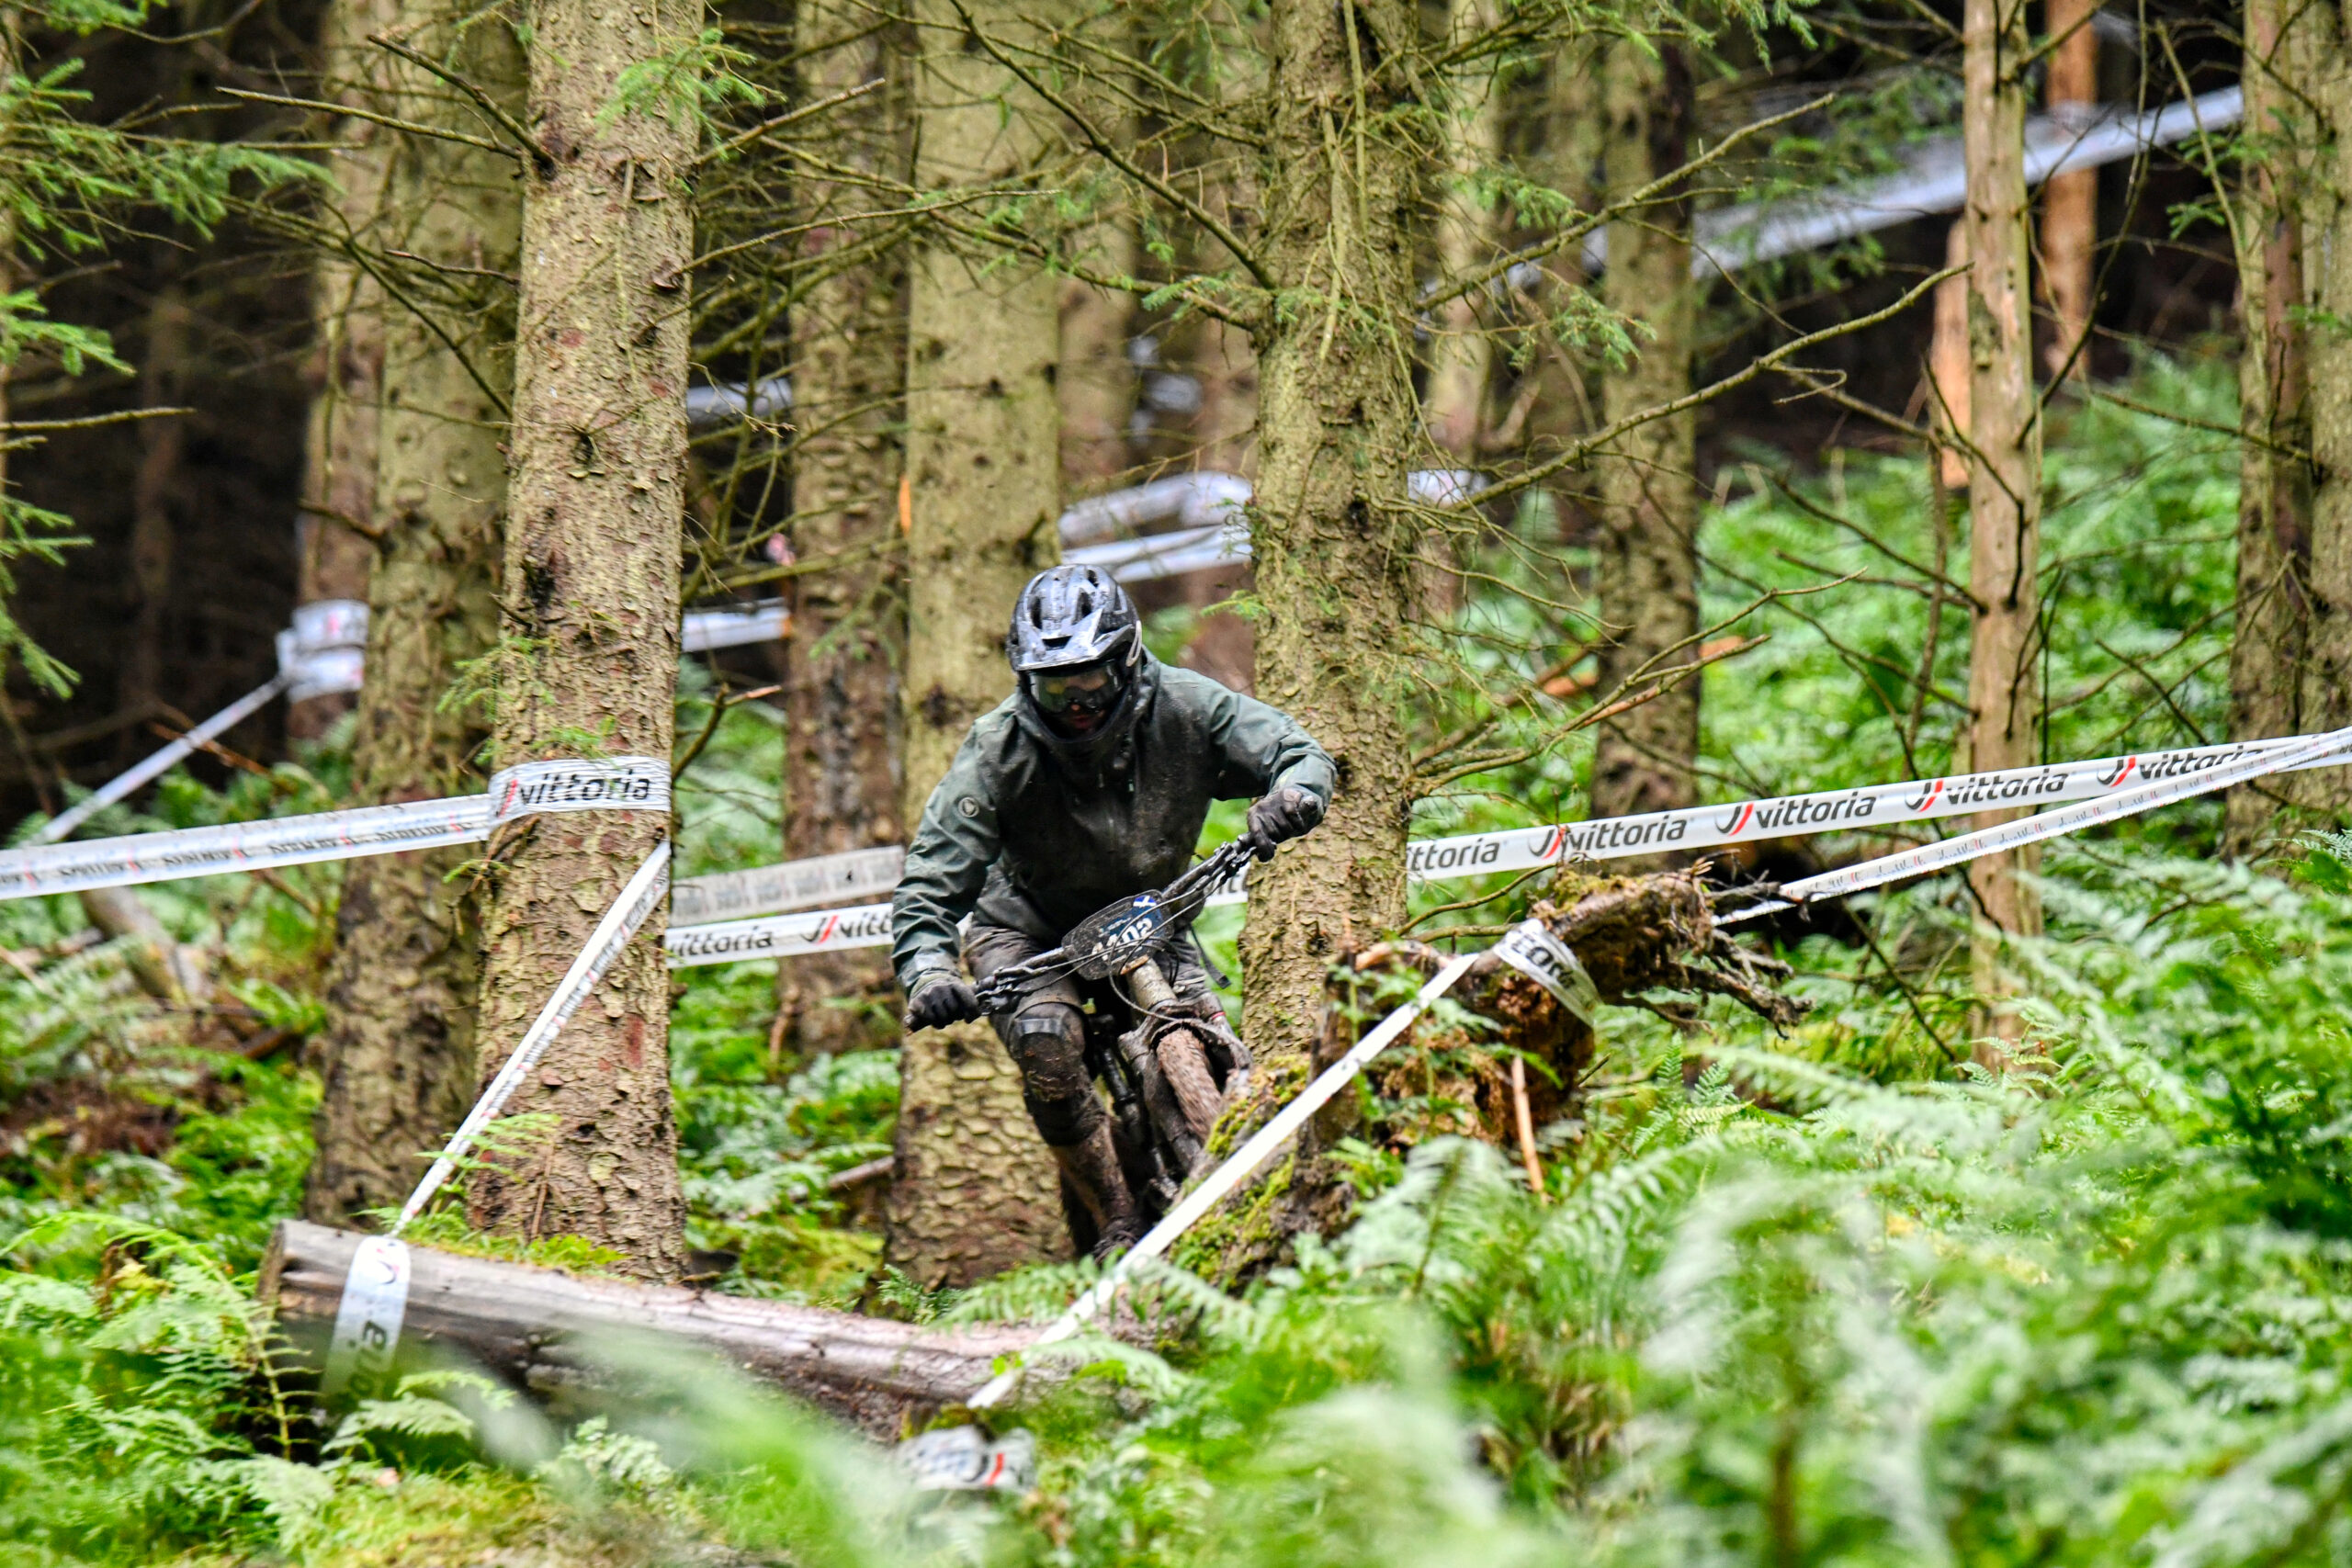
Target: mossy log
1636	935
540	1329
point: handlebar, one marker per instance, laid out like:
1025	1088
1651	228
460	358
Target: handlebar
1174	905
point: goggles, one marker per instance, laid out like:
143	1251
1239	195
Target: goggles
1087	688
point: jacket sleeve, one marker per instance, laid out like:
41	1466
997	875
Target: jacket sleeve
1263	747
947	865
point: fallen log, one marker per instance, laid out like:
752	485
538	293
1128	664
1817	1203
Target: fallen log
532	1326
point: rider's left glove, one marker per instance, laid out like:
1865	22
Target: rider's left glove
1285	813
941	1000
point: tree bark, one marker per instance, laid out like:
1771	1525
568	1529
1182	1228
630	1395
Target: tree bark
154	495
542	1328
2306	99
976	1192
339	457
2269	655
1096	382
1461	355
1647	574
398	1057
1948	362
848	346
2070	202
1334	541
2004	458
589	655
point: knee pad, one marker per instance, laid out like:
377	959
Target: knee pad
1048	1043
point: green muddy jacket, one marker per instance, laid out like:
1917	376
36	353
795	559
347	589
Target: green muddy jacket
1036	832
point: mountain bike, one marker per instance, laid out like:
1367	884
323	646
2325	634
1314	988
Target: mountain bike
1170	1072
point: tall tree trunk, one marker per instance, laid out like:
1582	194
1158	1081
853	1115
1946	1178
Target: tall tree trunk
2309	109
154	495
1461	353
849	354
2269	654
398	1057
2070	202
339	457
1648	568
1096	381
975	1191
1334	540
2005	461
589	657
1948	362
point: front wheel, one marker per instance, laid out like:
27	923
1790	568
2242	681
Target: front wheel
1184	1063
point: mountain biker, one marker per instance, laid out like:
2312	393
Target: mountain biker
1087	786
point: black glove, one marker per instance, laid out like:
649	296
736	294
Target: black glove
1286	813
940	1001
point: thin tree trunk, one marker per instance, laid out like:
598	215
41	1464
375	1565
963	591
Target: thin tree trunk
1225	433
842	770
1461	353
1334	541
2005	465
1648	568
1096	381
1948	372
398	1057
2315	128
975	1191
2271	651
2070	202
155	489
589	655
339	457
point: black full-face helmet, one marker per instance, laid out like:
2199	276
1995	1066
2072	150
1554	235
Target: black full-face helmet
1074	642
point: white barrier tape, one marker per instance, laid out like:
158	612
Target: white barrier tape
367	1320
961	1459
325	654
795	884
2252	762
1796	816
779	936
625	784
705	631
114	789
1546	959
1233	1172
611	783
605	943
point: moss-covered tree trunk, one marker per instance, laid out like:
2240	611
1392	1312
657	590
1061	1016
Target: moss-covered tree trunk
849	357
1334	539
398	1057
339	452
588	661
1647	574
2295	518
2270	649
2005	437
975	1191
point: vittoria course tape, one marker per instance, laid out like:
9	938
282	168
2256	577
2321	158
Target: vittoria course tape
779	936
367	1320
605	943
619	783
1871	805
1546	959
795	884
1232	1173
2248	763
